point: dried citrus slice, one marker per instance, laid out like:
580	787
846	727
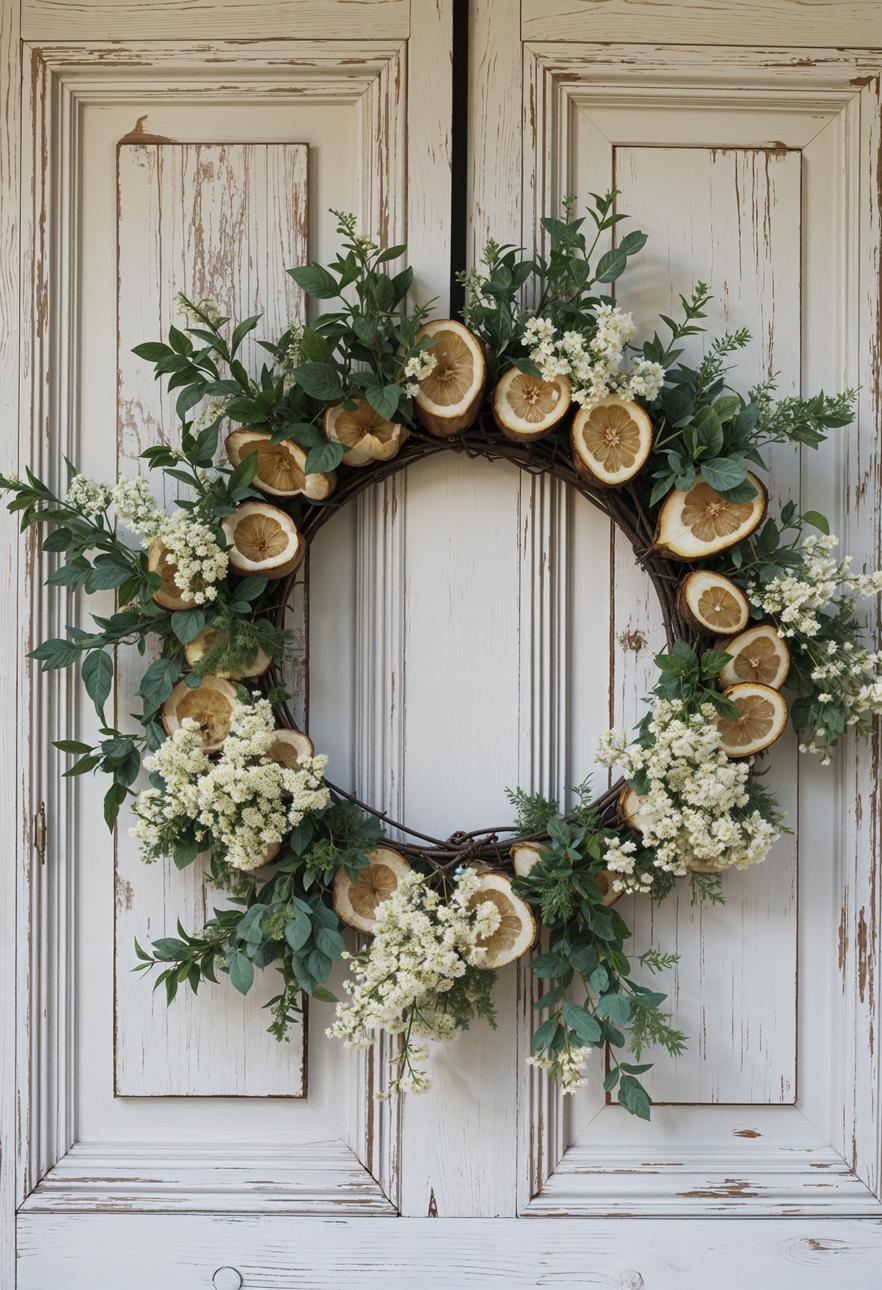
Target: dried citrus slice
633	810
263	539
451	394
210	705
368	436
281	467
199	646
611	441
168	594
526	407
712	603
759	654
289	747
762	716
356	902
516	931
699	522
524	855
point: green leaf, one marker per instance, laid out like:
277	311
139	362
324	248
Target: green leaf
612	1079
113	800
315	281
323	994
152	350
241	330
330	942
634	1097
298	930
384	399
723	473
187	624
107	573
98	678
599	979
158	682
241	971
614	1007
633	242
324	457
817	521
320	381
55	653
611	265
250	588
71	746
545	1034
185	852
582	1022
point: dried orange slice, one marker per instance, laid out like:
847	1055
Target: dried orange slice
451	394
281	467
356	902
168	594
698	523
210	705
367	436
526	407
759	654
712	603
263	539
289	747
198	647
611	441
762	717
517	929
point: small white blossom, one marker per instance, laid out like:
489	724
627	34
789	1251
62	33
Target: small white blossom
198	312
593	361
87	497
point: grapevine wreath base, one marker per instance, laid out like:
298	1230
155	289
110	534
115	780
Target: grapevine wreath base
542	371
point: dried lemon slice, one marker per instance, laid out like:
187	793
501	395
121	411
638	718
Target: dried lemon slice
759	654
516	931
699	522
526	407
611	441
633	810
289	747
762	716
451	394
208	638
210	705
367	436
713	603
263	539
168	594
281	467
356	901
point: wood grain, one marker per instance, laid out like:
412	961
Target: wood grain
791	23
90	20
222	221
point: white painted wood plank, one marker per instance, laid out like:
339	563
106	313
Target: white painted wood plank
781	22
91	20
732	218
142	1251
222	221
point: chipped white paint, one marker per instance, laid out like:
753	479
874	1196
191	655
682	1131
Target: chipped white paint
222	221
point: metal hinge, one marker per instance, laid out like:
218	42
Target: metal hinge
41	832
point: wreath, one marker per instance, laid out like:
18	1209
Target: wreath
542	370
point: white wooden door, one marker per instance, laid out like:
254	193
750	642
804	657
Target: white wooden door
165	143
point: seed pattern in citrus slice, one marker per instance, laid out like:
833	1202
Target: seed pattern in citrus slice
210	705
168	594
281	467
208	638
289	747
356	901
713	603
526	407
698	522
611	441
516	930
366	435
450	396
263	539
758	654
761	719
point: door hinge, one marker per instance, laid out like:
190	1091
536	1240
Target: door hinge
41	832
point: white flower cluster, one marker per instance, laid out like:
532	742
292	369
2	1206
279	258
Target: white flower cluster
243	803
416	369
422	946
795	598
593	363
854	677
212	410
198	312
364	244
694	815
87	497
289	355
200	563
567	1066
